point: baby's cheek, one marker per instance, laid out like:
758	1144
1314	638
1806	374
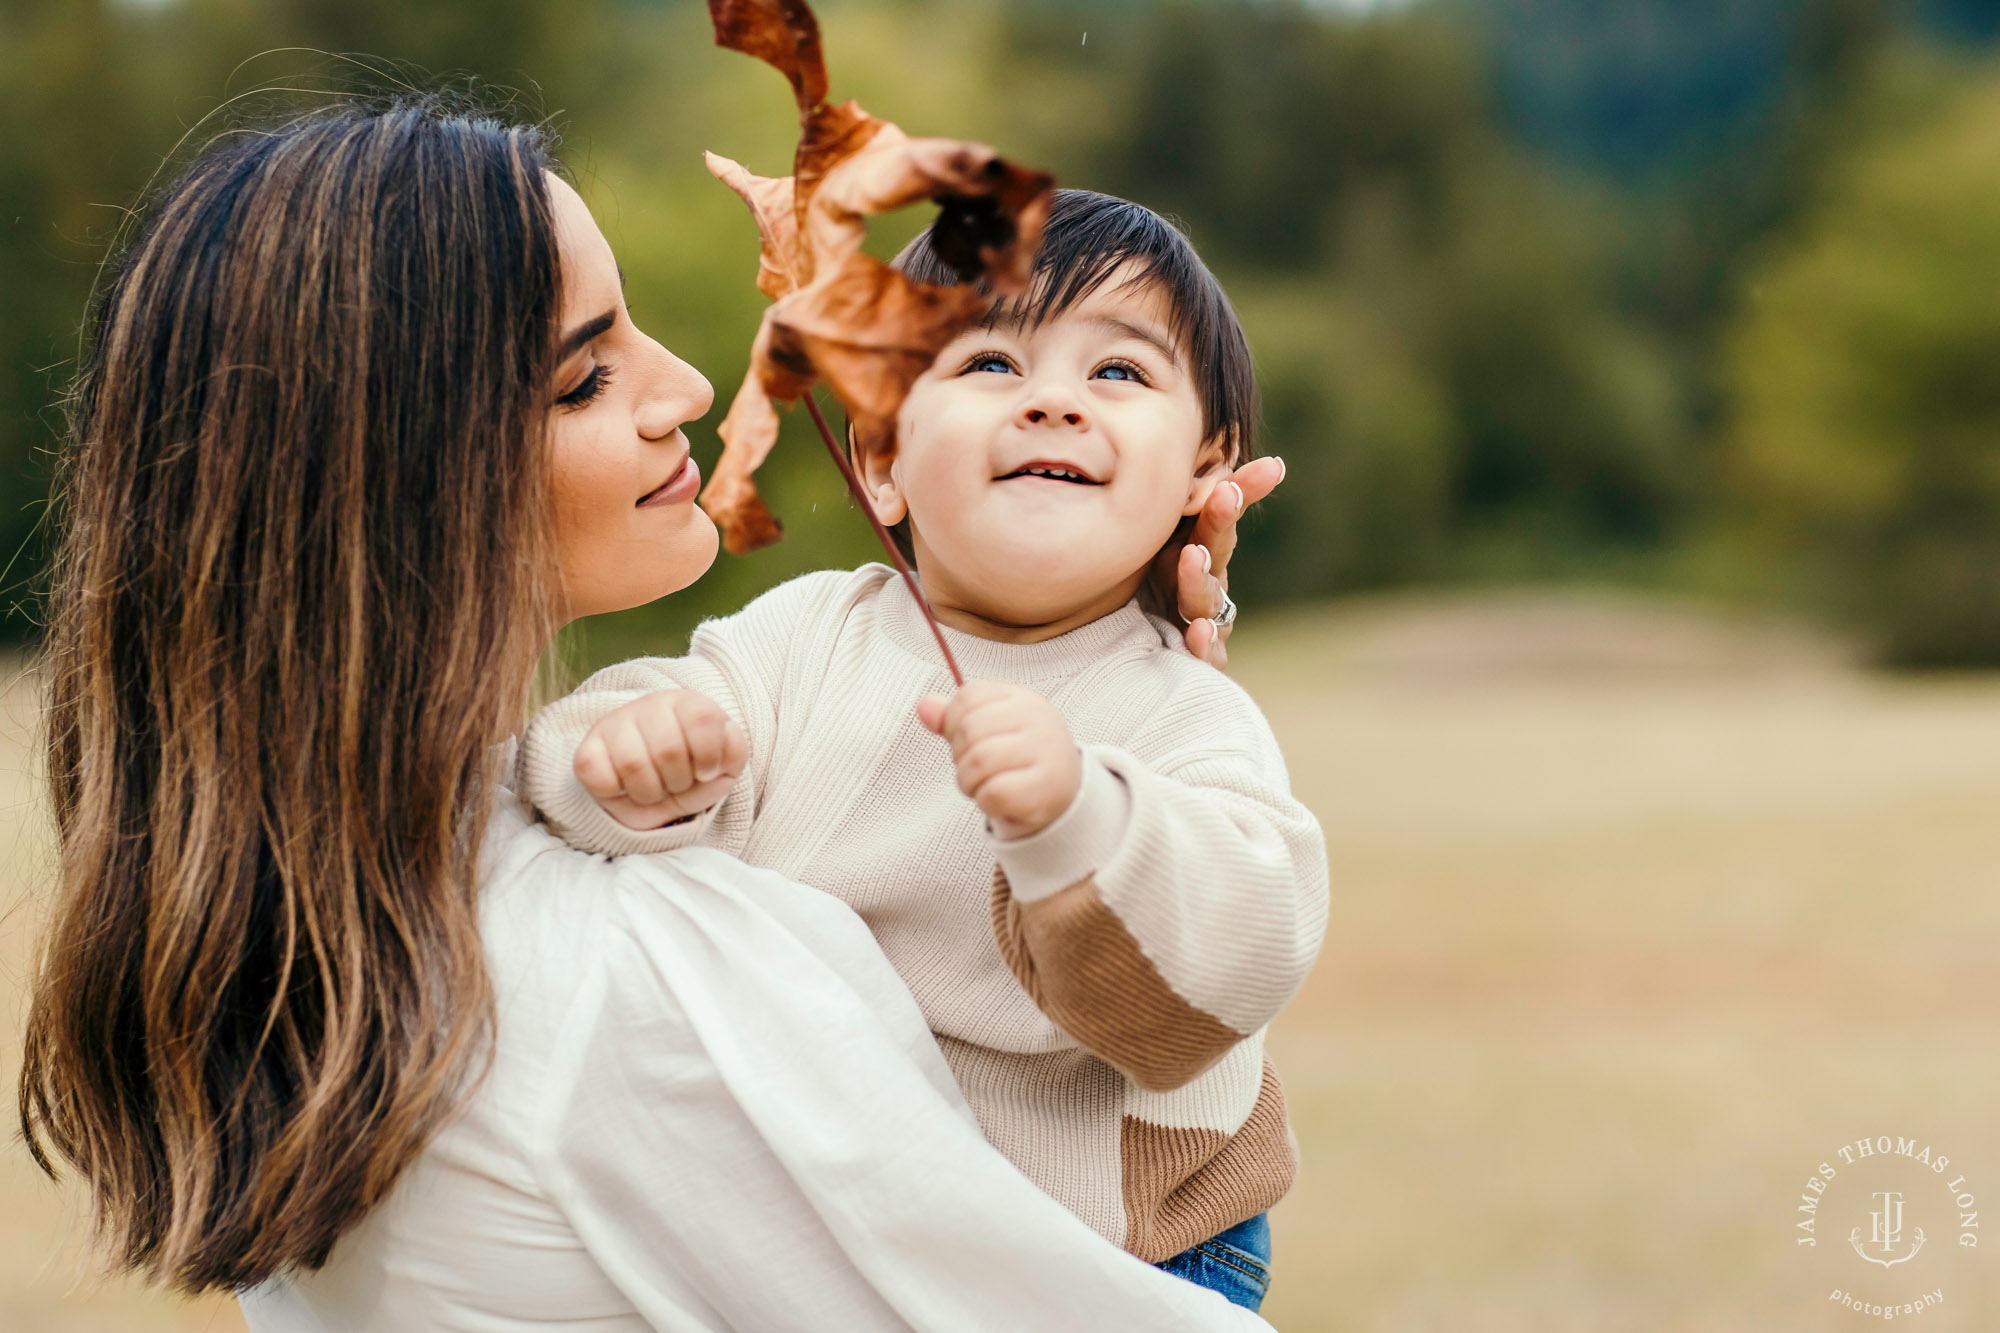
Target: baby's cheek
1159	511
939	487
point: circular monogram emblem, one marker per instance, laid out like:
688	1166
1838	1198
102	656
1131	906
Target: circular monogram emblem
1887	1222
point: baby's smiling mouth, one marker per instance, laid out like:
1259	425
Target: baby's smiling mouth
1062	472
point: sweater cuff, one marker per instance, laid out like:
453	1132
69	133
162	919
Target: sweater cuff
574	815
1079	843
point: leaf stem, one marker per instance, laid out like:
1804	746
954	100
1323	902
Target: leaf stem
882	535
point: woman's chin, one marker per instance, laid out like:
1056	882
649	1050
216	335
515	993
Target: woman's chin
693	551
704	542
641	573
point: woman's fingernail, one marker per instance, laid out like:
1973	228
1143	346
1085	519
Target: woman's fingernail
1281	469
1207	561
1237	507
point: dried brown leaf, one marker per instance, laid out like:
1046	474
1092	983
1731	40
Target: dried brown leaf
748	433
840	315
869	333
828	136
782	33
991	223
770	201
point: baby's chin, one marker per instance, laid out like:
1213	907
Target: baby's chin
1030	578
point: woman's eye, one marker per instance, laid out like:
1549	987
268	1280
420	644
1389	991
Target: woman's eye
593	384
993	365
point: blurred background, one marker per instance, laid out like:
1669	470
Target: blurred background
1625	613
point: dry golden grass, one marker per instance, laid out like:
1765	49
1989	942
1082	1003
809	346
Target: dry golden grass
1638	917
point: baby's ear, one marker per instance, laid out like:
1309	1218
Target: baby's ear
1211	469
875	463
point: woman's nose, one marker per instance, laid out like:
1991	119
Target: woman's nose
678	394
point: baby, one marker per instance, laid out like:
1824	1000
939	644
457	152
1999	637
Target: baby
1131	844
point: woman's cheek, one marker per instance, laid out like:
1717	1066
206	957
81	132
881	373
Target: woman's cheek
582	493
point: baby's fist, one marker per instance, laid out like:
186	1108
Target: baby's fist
1015	756
661	758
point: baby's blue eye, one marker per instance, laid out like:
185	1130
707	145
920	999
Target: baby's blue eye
998	365
1115	372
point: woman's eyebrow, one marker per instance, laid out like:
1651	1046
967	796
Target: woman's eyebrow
583	333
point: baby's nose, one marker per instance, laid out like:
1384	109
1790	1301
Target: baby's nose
1036	416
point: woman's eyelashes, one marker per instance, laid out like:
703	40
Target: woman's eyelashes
593	384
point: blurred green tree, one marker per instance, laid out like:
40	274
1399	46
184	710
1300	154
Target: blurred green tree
1865	440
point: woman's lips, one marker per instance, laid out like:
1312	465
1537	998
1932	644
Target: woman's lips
677	489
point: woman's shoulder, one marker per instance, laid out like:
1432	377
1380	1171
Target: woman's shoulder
542	903
545	914
581	946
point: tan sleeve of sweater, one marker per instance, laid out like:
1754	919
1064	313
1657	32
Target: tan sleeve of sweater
1083	968
1165	916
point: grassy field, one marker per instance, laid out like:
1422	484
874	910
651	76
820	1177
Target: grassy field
1639	917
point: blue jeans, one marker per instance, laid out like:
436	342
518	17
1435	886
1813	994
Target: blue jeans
1236	1263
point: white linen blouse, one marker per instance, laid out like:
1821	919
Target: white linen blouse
712	1105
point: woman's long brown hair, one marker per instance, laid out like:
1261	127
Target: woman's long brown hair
302	582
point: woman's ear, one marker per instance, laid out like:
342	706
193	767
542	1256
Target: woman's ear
1211	469
877	469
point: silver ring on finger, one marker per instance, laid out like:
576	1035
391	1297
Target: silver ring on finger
1225	615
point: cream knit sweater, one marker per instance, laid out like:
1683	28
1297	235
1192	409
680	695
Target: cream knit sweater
1101	988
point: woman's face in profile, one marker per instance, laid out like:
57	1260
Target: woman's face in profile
627	528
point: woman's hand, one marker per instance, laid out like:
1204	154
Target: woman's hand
1203	577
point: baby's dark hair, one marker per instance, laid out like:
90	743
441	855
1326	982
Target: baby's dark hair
1089	236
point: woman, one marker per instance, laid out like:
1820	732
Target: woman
323	1018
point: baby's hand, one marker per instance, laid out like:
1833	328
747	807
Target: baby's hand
1015	756
660	758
